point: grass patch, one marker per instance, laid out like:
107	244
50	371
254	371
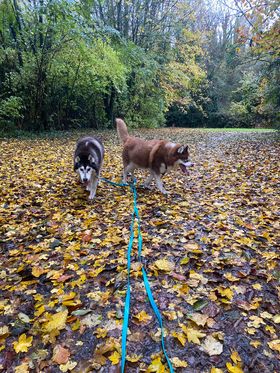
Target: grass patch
25	135
237	129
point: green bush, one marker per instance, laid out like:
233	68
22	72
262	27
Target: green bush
11	109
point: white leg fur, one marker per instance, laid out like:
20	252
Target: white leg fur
159	184
148	181
93	186
129	168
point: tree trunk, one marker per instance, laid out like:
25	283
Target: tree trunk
109	102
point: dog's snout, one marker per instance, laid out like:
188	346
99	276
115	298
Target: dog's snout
85	180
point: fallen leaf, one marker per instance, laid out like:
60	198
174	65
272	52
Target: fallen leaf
199	318
22	368
70	365
133	358
216	370
255	343
23	343
178	363
180	336
56	322
60	355
274	345
233	369
156	366
115	358
164	265
235	357
212	346
193	335
143	317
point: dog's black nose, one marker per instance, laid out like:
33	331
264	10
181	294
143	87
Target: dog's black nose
84	180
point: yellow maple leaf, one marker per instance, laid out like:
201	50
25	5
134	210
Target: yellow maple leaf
251	331
266	315
101	333
216	370
233	369
143	316
170	315
37	271
235	357
133	358
56	322
70	365
270	329
23	343
39	311
164	265
156	366
115	358
177	363
225	292
180	337
68	296
275	345
95	272
256	321
255	343
193	335
76	325
22	368
229	276
257	286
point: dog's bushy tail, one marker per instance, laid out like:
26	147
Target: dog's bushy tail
122	130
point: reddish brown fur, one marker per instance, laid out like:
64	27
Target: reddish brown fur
148	154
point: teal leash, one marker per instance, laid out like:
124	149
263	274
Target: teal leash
113	183
135	214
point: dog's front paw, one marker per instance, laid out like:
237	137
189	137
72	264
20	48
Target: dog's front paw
91	196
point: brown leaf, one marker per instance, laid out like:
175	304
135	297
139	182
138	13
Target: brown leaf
60	354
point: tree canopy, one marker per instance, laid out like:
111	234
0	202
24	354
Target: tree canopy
79	64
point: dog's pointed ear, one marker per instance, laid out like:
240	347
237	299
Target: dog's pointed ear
77	159
91	159
182	149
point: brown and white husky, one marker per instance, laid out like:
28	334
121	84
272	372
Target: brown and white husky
157	156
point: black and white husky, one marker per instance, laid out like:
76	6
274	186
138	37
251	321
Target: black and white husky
88	159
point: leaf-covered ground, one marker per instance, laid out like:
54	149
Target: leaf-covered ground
210	250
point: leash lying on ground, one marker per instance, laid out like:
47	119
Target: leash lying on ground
135	216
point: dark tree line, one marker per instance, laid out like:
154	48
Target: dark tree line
79	64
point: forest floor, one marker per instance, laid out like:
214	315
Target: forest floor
209	249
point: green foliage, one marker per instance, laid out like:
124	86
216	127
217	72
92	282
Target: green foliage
11	108
142	100
67	65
